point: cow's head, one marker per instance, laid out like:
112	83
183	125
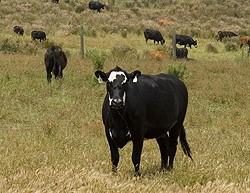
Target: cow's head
117	81
195	43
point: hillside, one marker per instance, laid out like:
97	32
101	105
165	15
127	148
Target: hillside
199	18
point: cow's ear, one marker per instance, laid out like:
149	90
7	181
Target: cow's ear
101	76
134	75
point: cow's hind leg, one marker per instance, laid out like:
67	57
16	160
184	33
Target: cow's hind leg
49	75
173	141
60	73
163	143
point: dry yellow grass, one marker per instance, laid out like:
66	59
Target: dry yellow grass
52	137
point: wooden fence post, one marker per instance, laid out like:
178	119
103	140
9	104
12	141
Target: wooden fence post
174	44
82	43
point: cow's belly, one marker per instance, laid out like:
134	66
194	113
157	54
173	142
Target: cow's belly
158	129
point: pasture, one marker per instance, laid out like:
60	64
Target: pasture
52	137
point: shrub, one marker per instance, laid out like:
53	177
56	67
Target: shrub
123	51
12	46
177	70
97	57
211	49
229	46
79	8
7	46
124	33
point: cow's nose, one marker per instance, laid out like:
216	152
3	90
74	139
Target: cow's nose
116	102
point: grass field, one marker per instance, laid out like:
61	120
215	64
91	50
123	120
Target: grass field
52	137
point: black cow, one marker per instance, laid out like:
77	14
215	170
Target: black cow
181	52
185	40
96	5
55	1
138	107
225	34
40	35
18	30
153	35
55	61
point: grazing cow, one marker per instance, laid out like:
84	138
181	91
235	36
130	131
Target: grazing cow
55	61
153	35
96	5
181	52
138	107
18	30
225	34
244	40
185	40
55	1
40	35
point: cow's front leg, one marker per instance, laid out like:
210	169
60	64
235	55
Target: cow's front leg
114	154
136	155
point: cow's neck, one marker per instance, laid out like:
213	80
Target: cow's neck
117	117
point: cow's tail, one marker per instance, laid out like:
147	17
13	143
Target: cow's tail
184	143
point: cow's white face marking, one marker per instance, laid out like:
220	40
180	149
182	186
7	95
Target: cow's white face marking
110	100
124	98
113	77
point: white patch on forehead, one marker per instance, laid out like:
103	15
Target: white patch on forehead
113	75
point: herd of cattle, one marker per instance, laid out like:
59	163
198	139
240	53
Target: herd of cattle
138	106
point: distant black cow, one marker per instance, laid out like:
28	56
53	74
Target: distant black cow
55	61
18	30
185	40
138	107
153	35
225	34
96	5
181	52
55	1
39	35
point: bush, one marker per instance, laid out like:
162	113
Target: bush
123	51
97	57
124	33
211	49
229	46
178	70
79	8
12	46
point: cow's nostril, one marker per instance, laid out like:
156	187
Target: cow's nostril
116	103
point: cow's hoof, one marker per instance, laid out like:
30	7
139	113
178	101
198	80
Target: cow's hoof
137	174
114	169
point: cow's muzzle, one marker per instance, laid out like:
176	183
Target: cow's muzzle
117	104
